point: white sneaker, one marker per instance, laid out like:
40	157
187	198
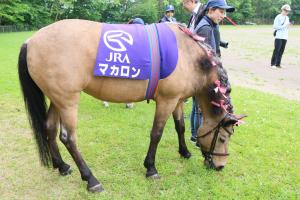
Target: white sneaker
273	67
129	105
105	104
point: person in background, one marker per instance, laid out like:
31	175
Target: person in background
281	25
208	27
131	21
169	13
195	8
136	20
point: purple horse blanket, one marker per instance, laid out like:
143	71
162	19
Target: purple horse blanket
135	51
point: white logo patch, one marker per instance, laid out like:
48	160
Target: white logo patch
117	37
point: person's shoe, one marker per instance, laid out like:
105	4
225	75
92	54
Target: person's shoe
273	67
105	104
129	105
280	66
193	139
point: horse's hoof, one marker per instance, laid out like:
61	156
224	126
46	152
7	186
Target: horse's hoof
185	154
154	176
96	188
65	172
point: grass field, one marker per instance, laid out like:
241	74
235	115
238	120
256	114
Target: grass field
264	161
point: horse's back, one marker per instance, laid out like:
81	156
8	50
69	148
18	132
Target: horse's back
61	58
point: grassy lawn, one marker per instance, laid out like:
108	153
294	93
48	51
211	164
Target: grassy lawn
264	161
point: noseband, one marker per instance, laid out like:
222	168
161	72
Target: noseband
208	154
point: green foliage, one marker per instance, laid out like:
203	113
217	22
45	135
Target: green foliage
38	13
295	11
13	12
144	9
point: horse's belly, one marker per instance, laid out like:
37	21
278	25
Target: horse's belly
117	90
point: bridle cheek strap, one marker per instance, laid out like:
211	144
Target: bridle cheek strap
208	154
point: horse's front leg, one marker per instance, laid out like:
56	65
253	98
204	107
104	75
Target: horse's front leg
162	112
180	129
68	137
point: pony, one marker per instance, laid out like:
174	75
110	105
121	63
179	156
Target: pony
57	63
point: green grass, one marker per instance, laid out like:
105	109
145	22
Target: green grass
264	161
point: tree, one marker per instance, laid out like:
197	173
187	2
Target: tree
295	11
13	12
246	10
38	13
146	9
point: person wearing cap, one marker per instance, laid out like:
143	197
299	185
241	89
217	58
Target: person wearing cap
136	20
169	13
208	27
281	25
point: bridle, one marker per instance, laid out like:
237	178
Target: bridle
208	154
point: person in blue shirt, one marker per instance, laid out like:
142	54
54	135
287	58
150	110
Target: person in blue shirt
169	13
281	25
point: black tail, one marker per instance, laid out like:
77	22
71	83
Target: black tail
36	107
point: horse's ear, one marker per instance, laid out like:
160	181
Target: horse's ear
233	119
241	116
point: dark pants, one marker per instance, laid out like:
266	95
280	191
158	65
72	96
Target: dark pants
196	118
278	51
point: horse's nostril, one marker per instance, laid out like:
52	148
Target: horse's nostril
219	168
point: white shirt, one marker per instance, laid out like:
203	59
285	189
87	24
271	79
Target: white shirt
281	24
194	13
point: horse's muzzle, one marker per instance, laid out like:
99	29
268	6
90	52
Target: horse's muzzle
210	165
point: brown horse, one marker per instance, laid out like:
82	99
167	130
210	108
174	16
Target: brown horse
57	62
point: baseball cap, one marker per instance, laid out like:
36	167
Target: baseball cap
286	7
169	8
219	4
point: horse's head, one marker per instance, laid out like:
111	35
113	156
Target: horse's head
219	120
214	140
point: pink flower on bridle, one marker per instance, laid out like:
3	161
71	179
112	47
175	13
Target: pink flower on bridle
222	105
220	89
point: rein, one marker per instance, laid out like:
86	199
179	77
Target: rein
208	154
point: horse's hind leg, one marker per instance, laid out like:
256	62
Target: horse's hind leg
180	129
52	125
68	137
162	112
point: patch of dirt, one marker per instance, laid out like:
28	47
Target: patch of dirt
247	61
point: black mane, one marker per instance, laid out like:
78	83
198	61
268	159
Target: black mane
207	63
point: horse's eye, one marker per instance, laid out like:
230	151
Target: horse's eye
222	140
